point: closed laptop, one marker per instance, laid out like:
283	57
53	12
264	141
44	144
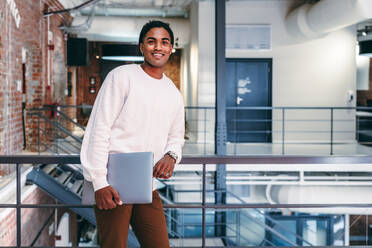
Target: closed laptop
130	174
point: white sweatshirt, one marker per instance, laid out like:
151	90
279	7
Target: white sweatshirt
133	112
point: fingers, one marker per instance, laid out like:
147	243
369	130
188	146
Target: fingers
159	169
168	175
163	170
169	172
106	203
155	170
105	198
116	197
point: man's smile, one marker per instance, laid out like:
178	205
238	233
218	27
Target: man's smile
158	55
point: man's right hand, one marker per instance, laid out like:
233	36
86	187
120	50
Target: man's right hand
107	198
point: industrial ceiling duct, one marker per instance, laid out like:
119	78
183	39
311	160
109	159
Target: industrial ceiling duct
316	20
127	29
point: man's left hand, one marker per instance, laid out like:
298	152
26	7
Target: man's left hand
164	167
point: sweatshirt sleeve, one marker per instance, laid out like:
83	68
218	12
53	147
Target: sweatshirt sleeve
176	136
95	147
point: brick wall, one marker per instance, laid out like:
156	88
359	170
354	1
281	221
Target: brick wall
30	39
41	87
173	68
82	81
32	220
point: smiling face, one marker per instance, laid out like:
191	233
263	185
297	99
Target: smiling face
156	47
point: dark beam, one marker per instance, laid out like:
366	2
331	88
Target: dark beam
220	137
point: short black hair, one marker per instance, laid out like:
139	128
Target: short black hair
155	24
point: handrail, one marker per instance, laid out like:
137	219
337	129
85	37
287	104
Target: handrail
57	125
18	160
299	108
58	146
69	119
212	159
229	107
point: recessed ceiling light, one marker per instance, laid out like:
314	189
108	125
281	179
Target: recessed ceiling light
123	58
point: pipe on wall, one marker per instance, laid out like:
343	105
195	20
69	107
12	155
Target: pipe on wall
126	29
322	194
311	21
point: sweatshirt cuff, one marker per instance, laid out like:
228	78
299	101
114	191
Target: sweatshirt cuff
99	184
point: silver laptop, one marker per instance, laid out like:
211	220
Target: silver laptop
128	173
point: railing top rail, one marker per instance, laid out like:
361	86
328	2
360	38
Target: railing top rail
47	107
275	159
200	107
300	108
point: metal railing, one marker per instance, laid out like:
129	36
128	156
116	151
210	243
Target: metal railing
281	129
204	161
55	127
269	130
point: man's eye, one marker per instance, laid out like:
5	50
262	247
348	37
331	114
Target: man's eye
150	42
165	43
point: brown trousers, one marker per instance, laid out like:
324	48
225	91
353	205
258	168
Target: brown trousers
147	221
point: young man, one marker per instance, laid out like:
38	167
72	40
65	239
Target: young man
137	109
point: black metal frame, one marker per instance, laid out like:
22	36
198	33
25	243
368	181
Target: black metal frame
220	127
283	120
18	160
220	134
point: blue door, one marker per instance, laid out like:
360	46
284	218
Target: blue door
248	85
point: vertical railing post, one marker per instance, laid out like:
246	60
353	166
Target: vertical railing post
238	226
235	131
205	131
203	205
55	132
357	126
221	127
38	134
283	130
19	231
331	132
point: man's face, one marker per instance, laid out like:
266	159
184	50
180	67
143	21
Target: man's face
156	47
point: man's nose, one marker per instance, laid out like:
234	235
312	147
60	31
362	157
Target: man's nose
157	45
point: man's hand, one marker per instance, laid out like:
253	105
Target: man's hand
107	198
164	167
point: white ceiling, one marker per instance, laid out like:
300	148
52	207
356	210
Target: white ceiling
150	8
121	20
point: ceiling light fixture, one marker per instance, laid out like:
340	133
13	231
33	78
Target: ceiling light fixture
121	52
365	48
123	58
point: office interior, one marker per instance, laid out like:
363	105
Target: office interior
296	83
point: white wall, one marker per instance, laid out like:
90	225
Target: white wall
206	72
206	43
362	71
313	73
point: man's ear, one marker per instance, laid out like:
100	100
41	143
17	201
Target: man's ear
141	48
